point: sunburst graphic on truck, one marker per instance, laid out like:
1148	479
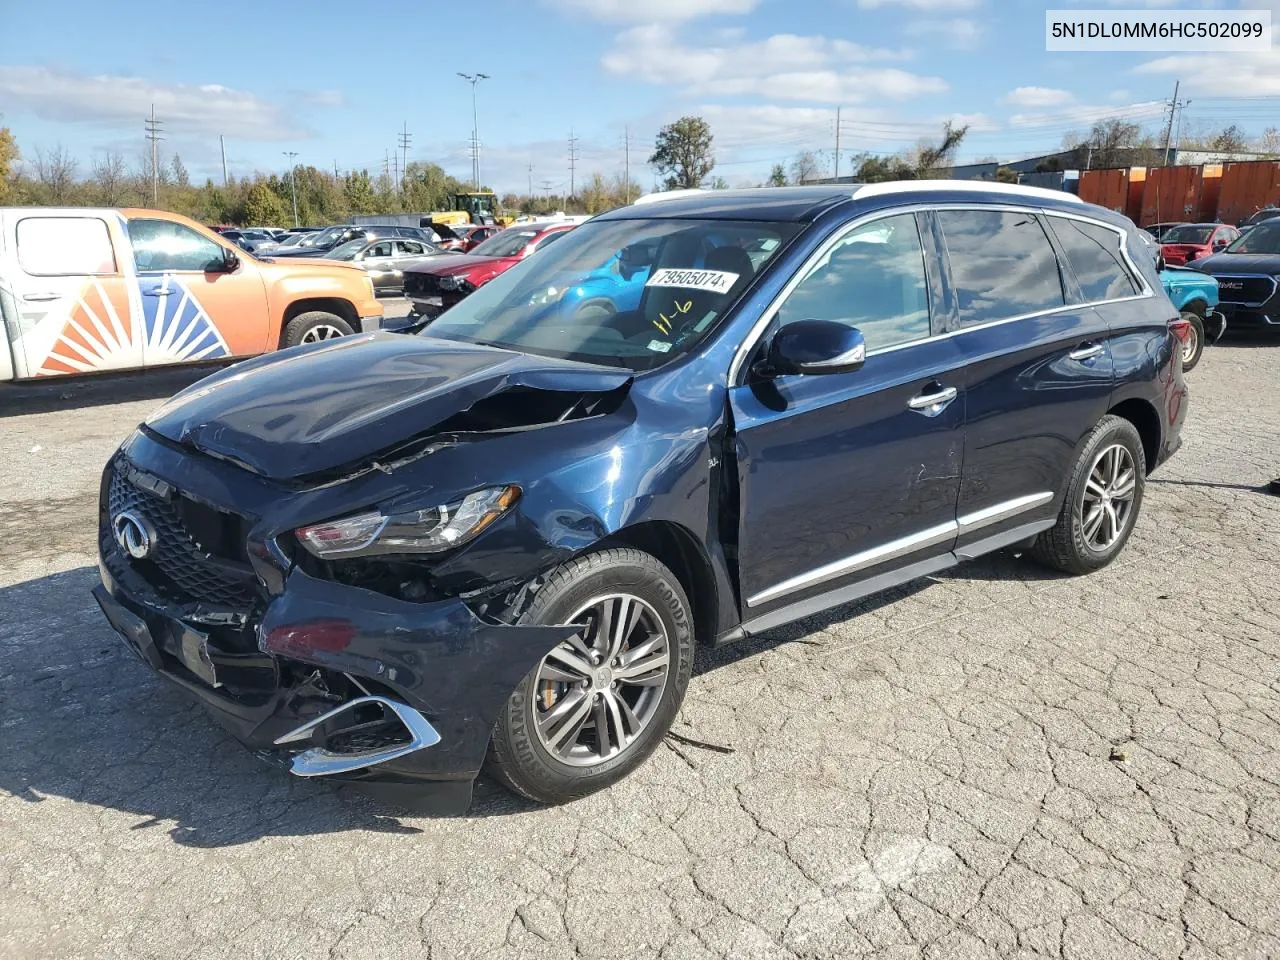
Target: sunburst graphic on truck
99	334
177	328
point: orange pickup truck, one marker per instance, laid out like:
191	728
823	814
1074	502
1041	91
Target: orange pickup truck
84	290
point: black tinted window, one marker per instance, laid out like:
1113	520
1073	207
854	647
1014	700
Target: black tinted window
873	279
1094	254
1002	264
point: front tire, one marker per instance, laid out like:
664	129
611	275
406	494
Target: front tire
314	326
1102	501
1193	349
595	707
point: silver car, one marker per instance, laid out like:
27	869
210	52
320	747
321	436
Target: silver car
385	259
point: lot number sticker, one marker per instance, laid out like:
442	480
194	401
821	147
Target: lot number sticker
713	281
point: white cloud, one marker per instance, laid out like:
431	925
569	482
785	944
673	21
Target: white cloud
185	109
781	67
921	4
329	99
1223	74
1037	97
653	11
959	33
1087	115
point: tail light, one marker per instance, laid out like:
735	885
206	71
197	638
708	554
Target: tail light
1181	329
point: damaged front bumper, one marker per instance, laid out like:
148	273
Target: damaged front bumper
397	698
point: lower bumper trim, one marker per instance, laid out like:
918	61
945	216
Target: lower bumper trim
320	762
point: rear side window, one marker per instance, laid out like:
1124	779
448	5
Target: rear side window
65	247
1094	254
1002	264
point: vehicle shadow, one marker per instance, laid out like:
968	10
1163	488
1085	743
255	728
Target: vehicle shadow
82	719
63	393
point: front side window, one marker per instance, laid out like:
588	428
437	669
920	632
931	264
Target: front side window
1002	264
873	279
382	249
65	247
163	246
1094	254
631	293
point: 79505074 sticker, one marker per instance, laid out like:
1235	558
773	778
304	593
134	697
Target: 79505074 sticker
713	281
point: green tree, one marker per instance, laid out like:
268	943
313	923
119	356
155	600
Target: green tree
933	157
263	207
8	160
778	176
682	153
358	190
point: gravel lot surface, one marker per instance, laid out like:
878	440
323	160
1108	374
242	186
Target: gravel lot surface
999	762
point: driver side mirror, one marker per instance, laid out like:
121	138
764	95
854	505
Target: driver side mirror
812	347
1220	244
1160	264
228	264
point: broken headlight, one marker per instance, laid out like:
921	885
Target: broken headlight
430	530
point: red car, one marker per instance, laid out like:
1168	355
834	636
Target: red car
438	285
1191	241
465	239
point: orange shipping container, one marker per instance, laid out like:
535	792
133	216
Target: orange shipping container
1172	194
1106	188
1210	191
1247	188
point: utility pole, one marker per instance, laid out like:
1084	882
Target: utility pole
573	159
1177	130
1168	130
626	164
293	182
386	162
473	79
531	182
395	171
335	170
222	142
546	187
153	128
405	138
837	176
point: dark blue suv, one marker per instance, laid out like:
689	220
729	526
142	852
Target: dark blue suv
395	560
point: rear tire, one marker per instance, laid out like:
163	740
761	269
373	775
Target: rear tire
314	326
1102	501
547	744
1193	349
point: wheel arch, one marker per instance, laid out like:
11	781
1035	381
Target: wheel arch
1197	305
1146	421
338	306
679	549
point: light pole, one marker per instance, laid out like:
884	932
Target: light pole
473	79
293	183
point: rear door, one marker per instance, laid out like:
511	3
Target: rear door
191	309
72	312
1038	368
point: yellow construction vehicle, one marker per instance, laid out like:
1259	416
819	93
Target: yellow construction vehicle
478	207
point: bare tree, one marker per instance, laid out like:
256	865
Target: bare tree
56	171
111	178
1269	142
806	167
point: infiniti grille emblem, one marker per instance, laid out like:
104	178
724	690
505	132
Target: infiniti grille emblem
135	535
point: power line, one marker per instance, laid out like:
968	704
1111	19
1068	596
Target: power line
573	159
405	137
153	128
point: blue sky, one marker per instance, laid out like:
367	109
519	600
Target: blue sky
335	81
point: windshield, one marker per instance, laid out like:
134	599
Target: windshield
508	243
630	293
1189	233
347	251
323	237
1264	238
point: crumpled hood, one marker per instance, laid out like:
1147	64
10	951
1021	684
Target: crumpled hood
338	402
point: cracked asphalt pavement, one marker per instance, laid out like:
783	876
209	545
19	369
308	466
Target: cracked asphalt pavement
998	762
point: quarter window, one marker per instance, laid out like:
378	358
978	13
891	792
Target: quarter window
1094	254
1002	264
873	279
162	245
65	247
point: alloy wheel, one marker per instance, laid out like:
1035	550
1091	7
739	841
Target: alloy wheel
1192	344
322	331
1107	506
597	691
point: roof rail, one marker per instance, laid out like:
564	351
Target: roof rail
667	195
968	186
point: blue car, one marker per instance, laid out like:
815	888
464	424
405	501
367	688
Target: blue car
1195	295
392	561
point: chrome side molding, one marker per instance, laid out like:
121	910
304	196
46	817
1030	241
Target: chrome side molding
932	536
319	762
